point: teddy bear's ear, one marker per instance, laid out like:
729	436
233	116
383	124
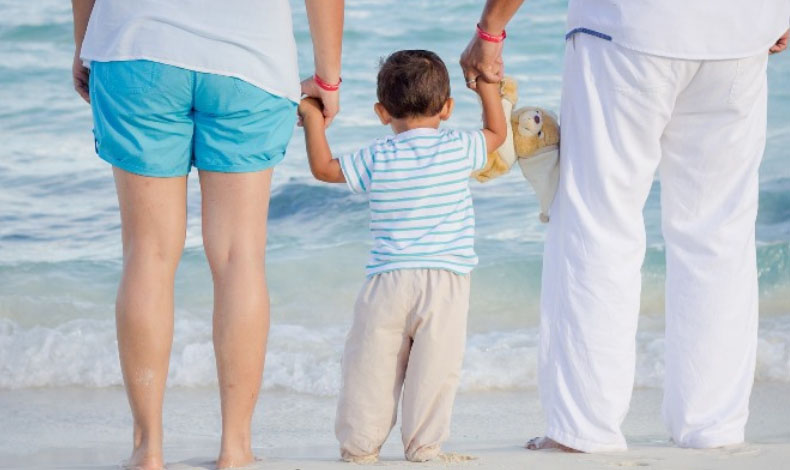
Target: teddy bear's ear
508	88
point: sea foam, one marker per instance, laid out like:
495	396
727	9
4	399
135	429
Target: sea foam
307	360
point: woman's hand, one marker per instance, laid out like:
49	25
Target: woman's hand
330	100
482	59
781	43
80	75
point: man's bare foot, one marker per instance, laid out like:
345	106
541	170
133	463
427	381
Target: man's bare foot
545	443
144	459
235	459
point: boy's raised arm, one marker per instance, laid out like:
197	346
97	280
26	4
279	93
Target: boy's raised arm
494	124
322	165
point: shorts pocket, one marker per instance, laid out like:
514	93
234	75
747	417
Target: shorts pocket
133	77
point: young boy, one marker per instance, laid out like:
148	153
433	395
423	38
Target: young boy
409	326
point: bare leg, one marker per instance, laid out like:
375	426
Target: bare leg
235	209
153	221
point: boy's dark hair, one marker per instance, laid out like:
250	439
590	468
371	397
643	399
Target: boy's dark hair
413	83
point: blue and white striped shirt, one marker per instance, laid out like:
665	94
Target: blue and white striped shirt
421	213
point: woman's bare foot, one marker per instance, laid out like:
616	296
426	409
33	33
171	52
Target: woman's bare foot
545	443
143	458
235	459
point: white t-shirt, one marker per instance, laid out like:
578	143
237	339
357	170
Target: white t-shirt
248	39
684	29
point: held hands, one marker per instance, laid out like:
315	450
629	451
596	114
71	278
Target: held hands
328	102
80	75
482	59
781	43
310	109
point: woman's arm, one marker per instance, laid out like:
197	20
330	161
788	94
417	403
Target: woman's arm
82	12
326	29
483	58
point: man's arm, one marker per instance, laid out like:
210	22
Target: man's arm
781	43
322	165
326	30
483	58
82	12
494	125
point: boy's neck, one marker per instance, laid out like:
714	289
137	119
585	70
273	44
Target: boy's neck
419	122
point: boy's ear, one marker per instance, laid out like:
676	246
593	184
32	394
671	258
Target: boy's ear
447	109
382	113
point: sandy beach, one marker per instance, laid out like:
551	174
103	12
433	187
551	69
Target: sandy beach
77	428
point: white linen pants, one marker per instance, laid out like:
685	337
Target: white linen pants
702	125
409	334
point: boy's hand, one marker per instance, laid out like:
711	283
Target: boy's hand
486	89
309	108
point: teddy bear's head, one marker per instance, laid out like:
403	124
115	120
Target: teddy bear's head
533	129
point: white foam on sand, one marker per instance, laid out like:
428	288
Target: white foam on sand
305	360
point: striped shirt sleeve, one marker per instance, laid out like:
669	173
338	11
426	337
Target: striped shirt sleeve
476	149
356	169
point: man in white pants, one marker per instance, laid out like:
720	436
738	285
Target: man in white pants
676	87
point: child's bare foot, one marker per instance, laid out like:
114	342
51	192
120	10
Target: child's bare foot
545	443
362	459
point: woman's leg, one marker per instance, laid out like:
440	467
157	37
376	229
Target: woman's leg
153	221
235	208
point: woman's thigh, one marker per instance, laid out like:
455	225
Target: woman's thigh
153	215
235	211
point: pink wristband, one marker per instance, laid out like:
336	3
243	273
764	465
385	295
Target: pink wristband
325	85
490	37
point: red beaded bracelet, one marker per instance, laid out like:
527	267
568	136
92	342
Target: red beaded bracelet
490	37
325	85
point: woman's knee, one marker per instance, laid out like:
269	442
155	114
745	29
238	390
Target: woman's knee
235	256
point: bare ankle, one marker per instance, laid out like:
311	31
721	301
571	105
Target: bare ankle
236	452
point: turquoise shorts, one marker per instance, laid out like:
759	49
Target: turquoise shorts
158	120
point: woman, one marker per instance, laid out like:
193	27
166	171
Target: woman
214	85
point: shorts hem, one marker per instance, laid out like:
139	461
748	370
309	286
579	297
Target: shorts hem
141	171
248	168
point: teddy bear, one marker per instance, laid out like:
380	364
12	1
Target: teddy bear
533	139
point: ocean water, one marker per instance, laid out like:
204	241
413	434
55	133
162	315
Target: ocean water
60	229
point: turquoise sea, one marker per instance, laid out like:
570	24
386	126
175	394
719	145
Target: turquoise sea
60	253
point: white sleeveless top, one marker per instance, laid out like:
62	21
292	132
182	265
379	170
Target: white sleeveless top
684	29
248	39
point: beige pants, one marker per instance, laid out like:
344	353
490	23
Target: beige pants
409	333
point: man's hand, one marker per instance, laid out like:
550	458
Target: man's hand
482	59
781	43
80	75
330	100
